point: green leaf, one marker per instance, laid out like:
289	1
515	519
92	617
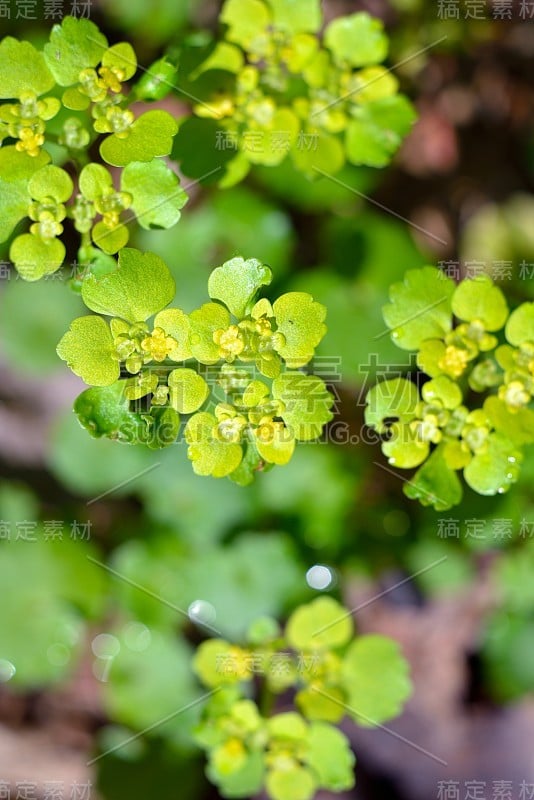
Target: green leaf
297	16
188	390
212	663
326	154
224	56
23	69
65	586
75	45
158	80
376	680
88	349
14	202
237	283
520	326
405	448
393	399
204	322
435	484
74	100
105	411
518	426
141	286
322	624
196	147
150	135
245	782
291	783
307	404
358	40
145	689
286	124
420	307
34	257
95	180
210	456
175	323
495	469
275	443
163	428
16	166
443	390
288	726
247	20
51	181
156	192
378	129
479	299
121	57
330	756
110	240
315	705
300	319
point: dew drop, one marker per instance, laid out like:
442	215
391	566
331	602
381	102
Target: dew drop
7	670
200	611
105	645
319	577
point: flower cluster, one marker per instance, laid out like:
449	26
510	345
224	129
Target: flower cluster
78	65
293	754
272	88
445	427
148	378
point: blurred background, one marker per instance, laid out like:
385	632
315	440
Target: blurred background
90	531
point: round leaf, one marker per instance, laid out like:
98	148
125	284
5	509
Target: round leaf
23	69
209	455
330	757
150	135
33	257
74	45
121	57
204	322
88	349
188	390
376	680
141	286
419	308
237	283
358	40
306	402
394	399
300	319
520	326
495	470
94	181
51	181
322	624
479	299
156	192
175	323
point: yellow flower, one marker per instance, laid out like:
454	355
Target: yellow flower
30	142
454	361
158	344
230	341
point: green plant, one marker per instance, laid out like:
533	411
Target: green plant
233	378
272	89
238	381
475	413
295	753
61	102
